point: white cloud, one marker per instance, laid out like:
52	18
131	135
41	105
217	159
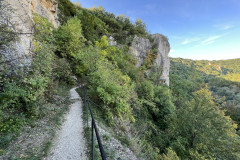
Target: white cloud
210	40
190	40
223	27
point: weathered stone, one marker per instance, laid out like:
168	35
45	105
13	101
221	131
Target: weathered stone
19	15
162	59
46	8
141	46
111	41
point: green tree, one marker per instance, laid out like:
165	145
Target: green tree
140	27
202	131
113	88
93	27
171	155
67	10
69	38
145	90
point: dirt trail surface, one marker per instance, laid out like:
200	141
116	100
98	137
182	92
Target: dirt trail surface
69	143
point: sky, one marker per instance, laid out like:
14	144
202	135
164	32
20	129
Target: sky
196	29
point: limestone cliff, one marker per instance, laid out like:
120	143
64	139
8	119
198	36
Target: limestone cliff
141	46
18	14
24	9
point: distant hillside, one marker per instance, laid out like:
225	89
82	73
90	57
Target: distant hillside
222	77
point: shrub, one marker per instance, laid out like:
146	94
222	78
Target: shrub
69	38
67	10
145	90
113	88
43	29
93	27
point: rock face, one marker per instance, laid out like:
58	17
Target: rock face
46	8
162	59
112	42
24	9
20	18
141	46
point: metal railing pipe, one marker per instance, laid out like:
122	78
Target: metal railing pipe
94	128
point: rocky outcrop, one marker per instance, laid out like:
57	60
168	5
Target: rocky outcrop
162	59
46	8
24	9
111	41
18	15
141	46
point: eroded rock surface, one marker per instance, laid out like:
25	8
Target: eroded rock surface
162	59
141	46
18	15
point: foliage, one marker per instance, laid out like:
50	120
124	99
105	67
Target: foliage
113	88
69	38
97	22
67	10
151	57
43	28
140	27
145	90
93	27
183	121
202	131
7	31
7	35
22	92
171	155
188	76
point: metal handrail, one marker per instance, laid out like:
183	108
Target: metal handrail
94	128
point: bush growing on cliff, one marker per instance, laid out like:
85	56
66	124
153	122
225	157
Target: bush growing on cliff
93	27
112	88
145	90
44	29
97	22
20	97
67	10
69	38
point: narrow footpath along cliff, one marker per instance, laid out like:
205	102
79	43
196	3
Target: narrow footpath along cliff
69	142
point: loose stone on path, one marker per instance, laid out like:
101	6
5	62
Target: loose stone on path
69	143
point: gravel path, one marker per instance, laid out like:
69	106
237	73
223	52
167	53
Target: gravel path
69	143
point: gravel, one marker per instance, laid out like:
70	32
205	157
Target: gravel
113	145
69	143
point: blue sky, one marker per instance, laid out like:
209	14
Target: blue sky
197	29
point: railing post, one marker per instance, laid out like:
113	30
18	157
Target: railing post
92	140
86	104
85	98
87	109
